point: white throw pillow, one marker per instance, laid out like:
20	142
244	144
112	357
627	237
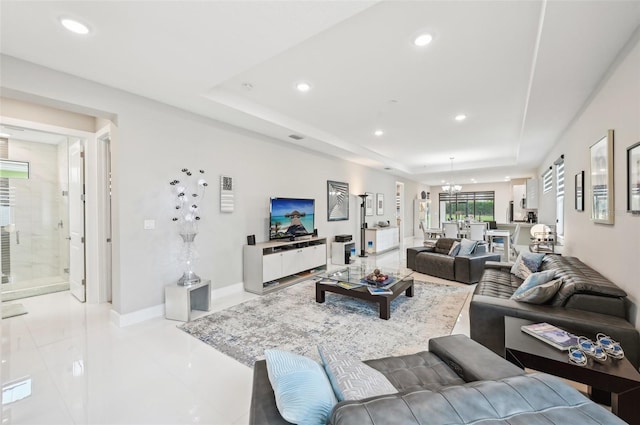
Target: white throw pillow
352	379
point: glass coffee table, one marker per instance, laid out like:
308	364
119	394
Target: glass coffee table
350	281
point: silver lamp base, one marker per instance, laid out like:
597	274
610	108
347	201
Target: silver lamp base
188	279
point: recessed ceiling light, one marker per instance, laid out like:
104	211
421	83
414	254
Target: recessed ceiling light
460	117
423	39
74	26
5	135
378	133
303	87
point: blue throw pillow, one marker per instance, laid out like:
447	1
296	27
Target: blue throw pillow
538	288
467	247
526	263
303	392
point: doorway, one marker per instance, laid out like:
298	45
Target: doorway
34	212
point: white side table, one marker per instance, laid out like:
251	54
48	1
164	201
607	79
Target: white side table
340	251
180	301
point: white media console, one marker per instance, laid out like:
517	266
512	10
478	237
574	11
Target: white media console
273	265
382	239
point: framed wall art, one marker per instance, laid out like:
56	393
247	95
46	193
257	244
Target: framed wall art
226	194
337	201
369	203
633	179
380	204
580	191
601	172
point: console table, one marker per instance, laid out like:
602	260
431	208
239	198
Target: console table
341	252
615	377
381	239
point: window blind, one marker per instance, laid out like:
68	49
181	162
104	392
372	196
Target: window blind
560	179
547	181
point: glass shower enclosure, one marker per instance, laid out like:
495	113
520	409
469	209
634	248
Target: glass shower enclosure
34	212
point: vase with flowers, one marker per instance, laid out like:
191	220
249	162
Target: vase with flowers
188	194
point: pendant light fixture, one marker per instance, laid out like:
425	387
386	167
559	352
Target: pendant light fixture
451	188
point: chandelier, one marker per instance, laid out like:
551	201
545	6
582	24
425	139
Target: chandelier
451	188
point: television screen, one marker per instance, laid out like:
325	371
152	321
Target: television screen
291	217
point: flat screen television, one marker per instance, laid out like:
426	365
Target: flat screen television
291	217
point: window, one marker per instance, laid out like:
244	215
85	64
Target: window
547	181
476	205
560	196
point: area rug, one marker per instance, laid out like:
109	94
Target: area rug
11	310
291	320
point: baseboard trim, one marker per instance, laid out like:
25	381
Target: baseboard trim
138	316
225	291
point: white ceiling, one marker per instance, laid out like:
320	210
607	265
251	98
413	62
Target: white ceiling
520	70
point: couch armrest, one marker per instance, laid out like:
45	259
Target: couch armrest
469	268
263	410
470	360
411	255
505	266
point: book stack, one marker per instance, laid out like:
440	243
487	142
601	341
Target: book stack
374	290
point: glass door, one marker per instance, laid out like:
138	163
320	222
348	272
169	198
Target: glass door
34	214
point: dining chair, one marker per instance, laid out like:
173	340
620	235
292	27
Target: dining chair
451	230
477	231
425	230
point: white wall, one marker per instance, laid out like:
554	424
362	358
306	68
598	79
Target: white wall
46	115
154	142
613	250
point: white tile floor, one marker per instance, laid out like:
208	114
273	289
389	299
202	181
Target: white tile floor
85	370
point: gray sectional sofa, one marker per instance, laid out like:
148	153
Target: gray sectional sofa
457	381
586	303
436	261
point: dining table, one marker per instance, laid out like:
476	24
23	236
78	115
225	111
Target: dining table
433	233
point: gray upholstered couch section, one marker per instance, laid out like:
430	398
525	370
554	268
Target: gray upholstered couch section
526	399
587	303
457	381
436	261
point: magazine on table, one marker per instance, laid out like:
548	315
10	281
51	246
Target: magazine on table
376	290
348	285
552	335
328	281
